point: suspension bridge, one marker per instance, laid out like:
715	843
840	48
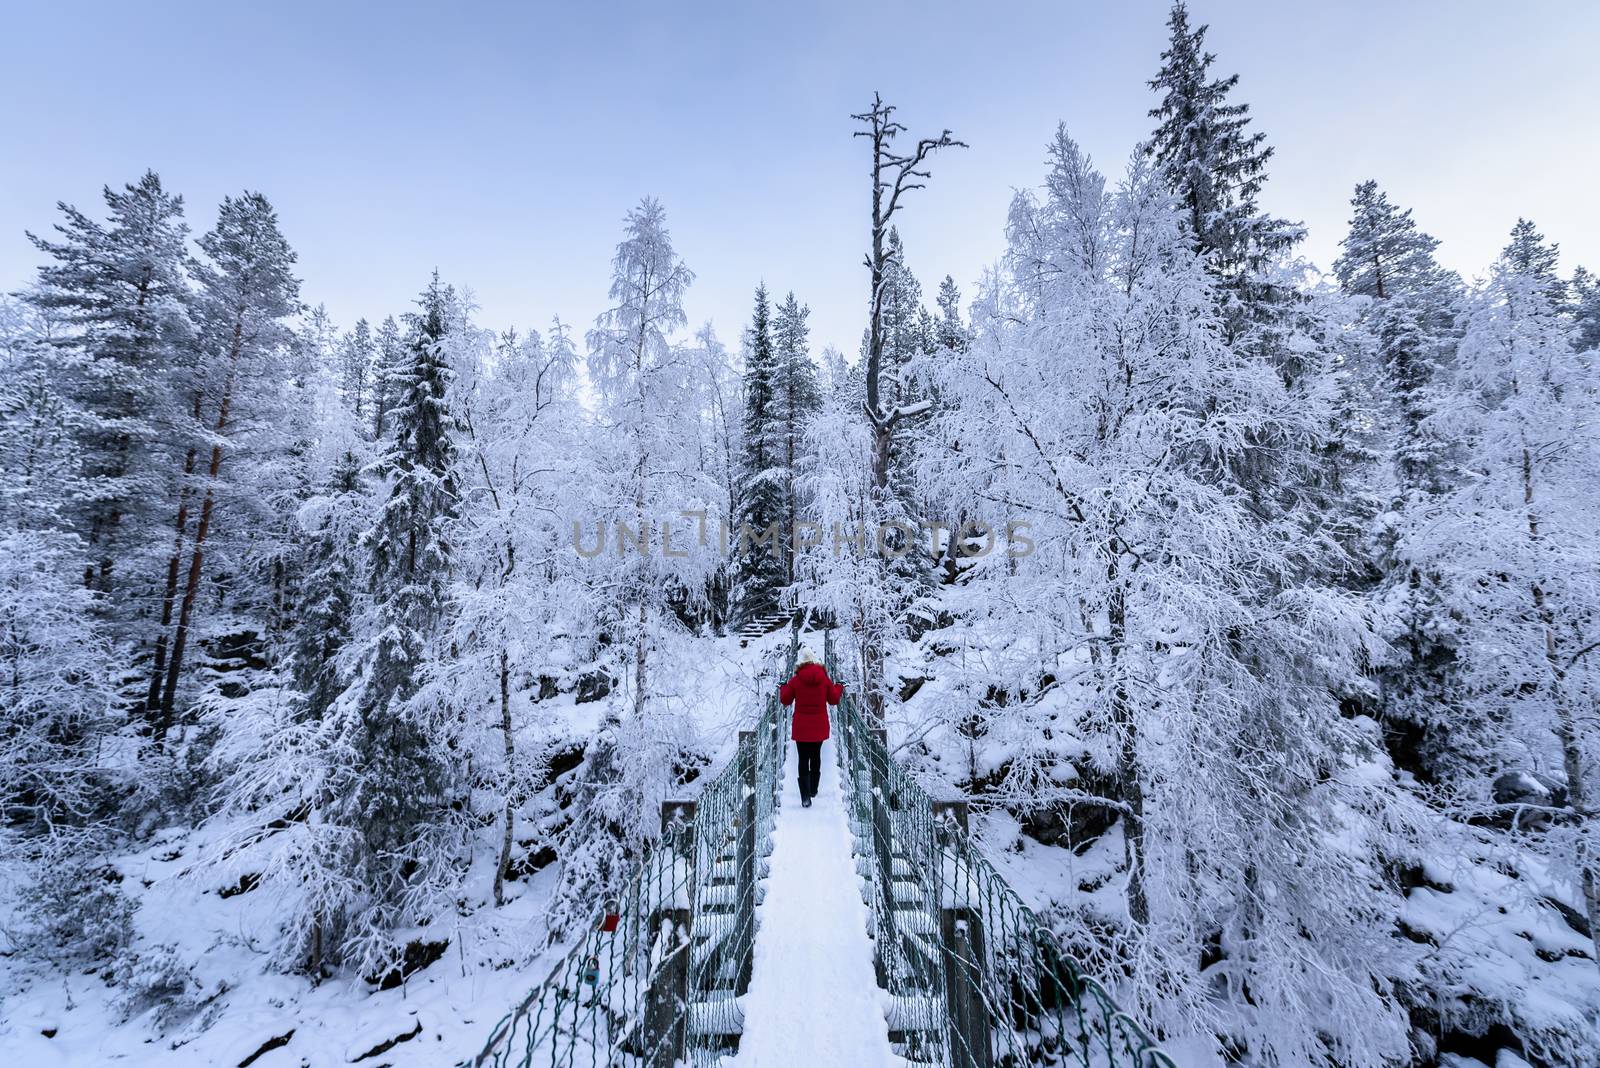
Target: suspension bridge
867	931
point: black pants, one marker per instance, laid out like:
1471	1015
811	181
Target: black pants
810	767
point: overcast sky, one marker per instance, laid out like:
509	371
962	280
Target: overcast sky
503	142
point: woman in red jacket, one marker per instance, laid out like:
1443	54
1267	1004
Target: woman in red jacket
811	692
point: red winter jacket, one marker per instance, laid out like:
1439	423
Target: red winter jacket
811	692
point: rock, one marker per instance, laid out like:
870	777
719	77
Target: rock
269	1045
418	955
247	882
388	1044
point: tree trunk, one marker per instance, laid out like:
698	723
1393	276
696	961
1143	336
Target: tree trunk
180	637
170	599
1566	721
505	731
1122	715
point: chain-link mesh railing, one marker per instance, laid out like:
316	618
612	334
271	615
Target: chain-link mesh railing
654	981
973	980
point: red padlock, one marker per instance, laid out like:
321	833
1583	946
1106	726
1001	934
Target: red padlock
613	915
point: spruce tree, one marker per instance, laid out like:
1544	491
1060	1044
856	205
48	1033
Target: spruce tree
357	355
388	357
326	619
796	398
1410	320
907	329
1529	254
758	565
1584	290
1385	255
393	786
1214	163
1388	259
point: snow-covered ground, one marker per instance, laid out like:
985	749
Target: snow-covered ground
49	1016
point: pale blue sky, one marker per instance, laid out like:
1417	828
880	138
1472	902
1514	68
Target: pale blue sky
503	142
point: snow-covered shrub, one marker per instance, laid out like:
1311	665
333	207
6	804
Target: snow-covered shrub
76	909
158	978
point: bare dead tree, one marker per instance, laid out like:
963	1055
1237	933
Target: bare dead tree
894	174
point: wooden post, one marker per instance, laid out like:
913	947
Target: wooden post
883	850
779	750
672	924
952	810
961	935
745	871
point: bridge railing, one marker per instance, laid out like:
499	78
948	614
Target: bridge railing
973	979
654	980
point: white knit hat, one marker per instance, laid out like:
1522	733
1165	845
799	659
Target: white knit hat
807	655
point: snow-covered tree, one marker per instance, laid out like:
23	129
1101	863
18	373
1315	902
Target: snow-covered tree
1179	663
758	562
895	172
60	701
1410	320
395	780
124	362
719	434
649	499
518	599
246	292
38	447
1585	296
1515	542
1215	164
795	398
951	333
357	356
388	357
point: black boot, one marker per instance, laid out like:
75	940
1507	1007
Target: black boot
805	802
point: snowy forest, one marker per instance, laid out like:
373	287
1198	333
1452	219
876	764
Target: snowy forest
1253	605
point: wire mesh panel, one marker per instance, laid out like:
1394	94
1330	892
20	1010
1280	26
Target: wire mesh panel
589	1010
654	981
973	979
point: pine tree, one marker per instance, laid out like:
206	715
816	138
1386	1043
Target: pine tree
1385	255
125	366
1215	165
907	334
758	565
246	291
1389	260
1410	319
